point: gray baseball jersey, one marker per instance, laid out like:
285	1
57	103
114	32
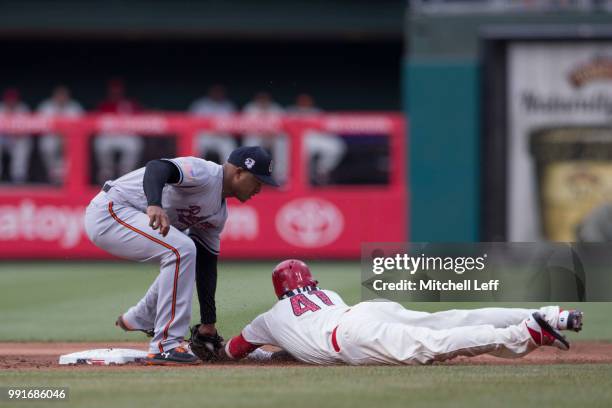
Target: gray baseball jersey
115	221
194	203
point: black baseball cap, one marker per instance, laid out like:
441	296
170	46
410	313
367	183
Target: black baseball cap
256	161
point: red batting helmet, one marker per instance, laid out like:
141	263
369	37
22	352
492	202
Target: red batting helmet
290	275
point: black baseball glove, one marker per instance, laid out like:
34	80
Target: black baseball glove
206	347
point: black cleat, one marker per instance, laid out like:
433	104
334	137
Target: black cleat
176	356
543	334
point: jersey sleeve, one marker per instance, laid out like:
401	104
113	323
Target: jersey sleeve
253	336
258	332
193	171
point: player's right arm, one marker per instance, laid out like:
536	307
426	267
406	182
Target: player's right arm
252	337
238	348
157	174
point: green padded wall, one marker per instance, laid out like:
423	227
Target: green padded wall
442	100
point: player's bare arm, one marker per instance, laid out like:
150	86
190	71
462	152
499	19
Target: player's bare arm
207	329
158	219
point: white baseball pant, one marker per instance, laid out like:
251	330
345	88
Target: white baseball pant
387	333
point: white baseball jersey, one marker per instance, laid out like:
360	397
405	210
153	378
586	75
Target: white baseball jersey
301	325
319	328
195	203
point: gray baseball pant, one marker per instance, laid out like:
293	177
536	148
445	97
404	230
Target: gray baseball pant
124	231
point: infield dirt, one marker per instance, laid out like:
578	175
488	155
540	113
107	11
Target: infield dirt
41	355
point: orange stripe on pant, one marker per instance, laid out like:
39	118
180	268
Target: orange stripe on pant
176	269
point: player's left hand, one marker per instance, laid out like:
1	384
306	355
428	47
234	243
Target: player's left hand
206	347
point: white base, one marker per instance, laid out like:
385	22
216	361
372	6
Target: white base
103	357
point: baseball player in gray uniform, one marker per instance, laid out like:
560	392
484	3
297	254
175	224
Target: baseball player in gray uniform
172	211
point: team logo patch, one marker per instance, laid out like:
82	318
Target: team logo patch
249	163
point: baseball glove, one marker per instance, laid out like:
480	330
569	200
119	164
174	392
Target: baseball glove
205	347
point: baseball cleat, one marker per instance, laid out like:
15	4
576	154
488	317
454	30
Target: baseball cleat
121	324
570	320
176	356
543	334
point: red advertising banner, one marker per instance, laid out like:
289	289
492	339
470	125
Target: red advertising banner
300	219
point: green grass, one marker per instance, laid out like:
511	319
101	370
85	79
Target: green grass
80	301
434	386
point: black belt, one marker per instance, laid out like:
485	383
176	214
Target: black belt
106	187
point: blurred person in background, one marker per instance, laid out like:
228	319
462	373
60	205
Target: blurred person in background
214	103
304	105
18	146
208	144
60	104
128	145
324	150
263	106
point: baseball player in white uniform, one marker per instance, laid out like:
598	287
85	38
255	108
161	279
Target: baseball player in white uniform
315	326
183	199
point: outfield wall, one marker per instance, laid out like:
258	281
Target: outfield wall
298	219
